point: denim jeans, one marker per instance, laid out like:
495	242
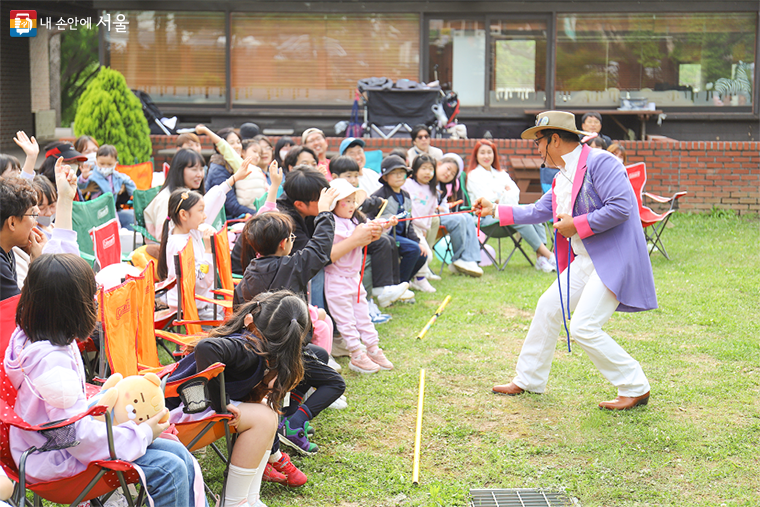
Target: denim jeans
318	290
464	237
126	218
169	472
411	258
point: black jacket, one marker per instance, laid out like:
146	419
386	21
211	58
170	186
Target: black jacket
293	271
243	369
392	208
8	278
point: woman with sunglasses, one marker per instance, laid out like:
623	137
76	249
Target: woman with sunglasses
421	144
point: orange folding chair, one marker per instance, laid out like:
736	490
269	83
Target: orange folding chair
99	478
654	224
187	309
130	346
140	174
220	248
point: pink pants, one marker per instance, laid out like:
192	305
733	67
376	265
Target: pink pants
351	318
323	330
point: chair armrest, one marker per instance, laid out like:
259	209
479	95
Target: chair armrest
8	416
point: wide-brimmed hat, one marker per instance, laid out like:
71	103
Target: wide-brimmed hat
344	189
556	120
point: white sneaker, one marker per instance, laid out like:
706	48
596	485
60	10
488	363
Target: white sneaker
453	270
391	293
468	268
373	309
543	264
339	404
433	276
406	296
422	284
332	363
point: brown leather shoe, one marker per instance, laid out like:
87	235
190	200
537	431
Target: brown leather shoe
510	389
625	402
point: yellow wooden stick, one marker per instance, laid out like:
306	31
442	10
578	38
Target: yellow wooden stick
432	320
418	435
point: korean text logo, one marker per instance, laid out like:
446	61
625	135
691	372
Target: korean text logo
23	23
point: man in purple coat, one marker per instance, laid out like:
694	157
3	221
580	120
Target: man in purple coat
594	209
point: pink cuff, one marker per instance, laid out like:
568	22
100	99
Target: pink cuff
582	226
505	215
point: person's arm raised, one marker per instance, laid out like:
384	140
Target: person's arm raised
31	149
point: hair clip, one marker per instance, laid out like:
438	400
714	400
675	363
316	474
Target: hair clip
182	198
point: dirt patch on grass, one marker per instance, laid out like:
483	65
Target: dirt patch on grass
511	312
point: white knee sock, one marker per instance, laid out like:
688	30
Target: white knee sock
255	487
238	484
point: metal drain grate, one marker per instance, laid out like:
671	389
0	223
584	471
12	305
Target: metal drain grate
518	497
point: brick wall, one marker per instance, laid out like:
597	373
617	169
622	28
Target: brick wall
721	174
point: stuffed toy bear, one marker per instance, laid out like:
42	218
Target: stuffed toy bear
135	398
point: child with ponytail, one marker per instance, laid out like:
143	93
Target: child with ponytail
260	346
190	220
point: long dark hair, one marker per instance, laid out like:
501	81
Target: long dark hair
281	321
419	160
57	302
182	159
181	199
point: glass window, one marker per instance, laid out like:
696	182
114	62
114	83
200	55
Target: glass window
457	58
172	56
518	64
655	60
317	59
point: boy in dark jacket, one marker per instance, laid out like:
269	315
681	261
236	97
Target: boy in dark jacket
393	175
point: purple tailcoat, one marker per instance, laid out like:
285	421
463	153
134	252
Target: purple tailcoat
606	215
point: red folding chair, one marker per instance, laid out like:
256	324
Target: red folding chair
654	224
107	243
100	478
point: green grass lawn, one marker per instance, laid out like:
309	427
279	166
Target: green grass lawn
695	444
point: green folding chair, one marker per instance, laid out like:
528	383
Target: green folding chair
87	215
140	200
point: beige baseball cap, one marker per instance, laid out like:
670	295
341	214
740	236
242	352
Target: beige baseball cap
559	120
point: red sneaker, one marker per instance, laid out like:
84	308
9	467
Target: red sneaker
294	476
272	475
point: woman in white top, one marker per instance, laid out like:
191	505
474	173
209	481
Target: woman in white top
421	141
486	178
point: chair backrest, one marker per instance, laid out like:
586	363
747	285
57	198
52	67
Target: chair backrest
7	391
107	243
147	354
547	177
119	309
140	200
374	160
88	214
140	174
185	269
220	221
467	204
637	175
223	258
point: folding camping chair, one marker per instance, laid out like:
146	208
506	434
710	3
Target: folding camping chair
187	309
99	478
88	214
495	231
129	344
442	248
107	243
140	174
140	200
392	112
653	223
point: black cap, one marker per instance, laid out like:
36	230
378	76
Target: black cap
249	131
392	162
67	151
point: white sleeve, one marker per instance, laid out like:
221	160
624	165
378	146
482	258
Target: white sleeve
214	200
481	184
511	193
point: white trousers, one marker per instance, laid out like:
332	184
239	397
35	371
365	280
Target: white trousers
592	304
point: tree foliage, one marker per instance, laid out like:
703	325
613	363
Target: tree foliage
79	64
110	112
